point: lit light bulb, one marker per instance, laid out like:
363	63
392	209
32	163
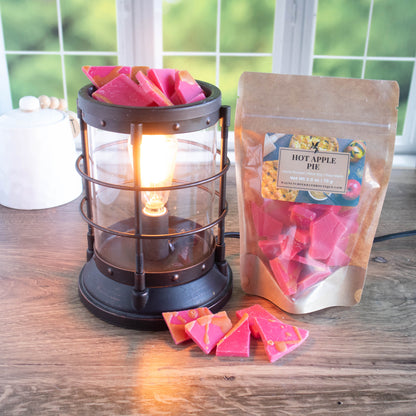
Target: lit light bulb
157	165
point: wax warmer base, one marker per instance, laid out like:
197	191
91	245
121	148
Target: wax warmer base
112	301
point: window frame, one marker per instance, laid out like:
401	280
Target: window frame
5	93
140	40
293	46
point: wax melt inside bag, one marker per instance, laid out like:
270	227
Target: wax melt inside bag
313	160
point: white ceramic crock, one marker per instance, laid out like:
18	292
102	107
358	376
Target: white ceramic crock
37	158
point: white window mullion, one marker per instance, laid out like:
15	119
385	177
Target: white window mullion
61	47
5	93
367	39
294	36
139	24
217	44
407	142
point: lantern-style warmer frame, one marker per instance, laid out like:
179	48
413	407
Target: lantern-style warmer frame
136	297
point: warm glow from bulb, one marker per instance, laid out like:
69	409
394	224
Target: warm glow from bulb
157	165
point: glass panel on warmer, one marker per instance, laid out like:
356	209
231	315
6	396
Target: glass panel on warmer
191	208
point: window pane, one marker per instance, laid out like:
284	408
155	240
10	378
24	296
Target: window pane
341	27
349	68
393	28
200	67
76	79
189	25
398	71
247	26
89	25
44	76
231	69
30	25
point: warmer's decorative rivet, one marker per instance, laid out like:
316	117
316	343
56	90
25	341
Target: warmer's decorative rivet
103	123
203	267
175	277
176	126
208	121
110	271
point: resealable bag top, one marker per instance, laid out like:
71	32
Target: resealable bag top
313	160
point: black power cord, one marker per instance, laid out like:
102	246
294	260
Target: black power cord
394	235
234	234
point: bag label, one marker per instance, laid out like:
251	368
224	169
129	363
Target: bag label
313	169
308	170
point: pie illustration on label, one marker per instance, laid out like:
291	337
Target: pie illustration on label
322	144
269	187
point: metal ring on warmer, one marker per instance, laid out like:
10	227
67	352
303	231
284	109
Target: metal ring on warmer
144	189
149	236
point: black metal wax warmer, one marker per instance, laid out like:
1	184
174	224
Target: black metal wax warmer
154	244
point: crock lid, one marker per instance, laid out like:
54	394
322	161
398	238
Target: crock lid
29	115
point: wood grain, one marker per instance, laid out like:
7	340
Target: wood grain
58	359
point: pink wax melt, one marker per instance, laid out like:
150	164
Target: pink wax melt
122	91
325	234
164	79
253	312
187	90
177	320
266	225
302	216
100	75
207	330
286	273
308	246
148	89
278	338
236	343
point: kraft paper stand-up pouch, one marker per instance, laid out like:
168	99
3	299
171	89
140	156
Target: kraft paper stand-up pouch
313	161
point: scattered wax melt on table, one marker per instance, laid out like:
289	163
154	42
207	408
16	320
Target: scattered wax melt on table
207	330
236	342
253	312
278	338
176	321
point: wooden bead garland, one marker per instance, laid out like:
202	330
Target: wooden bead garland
53	103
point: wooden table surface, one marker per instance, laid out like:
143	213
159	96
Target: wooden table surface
56	358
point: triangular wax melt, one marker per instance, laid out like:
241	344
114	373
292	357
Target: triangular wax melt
164	79
236	343
253	312
186	88
207	330
325	234
150	90
100	75
265	224
278	338
286	273
122	91
176	322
